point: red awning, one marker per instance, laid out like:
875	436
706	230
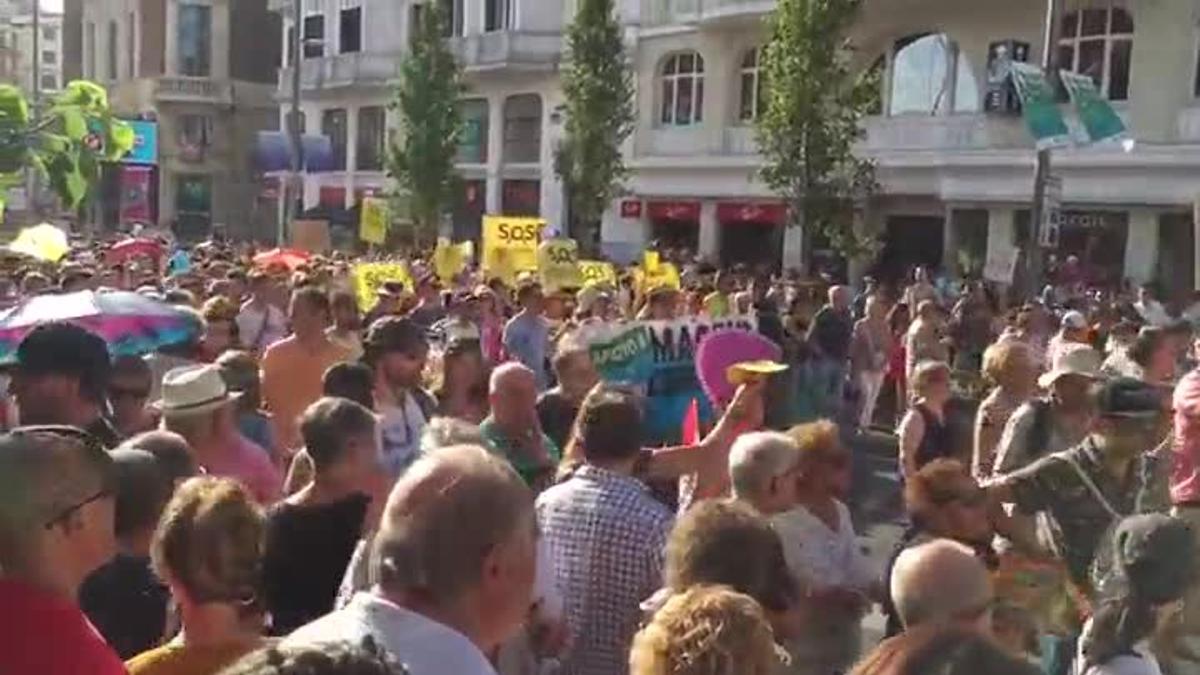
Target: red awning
674	210
737	213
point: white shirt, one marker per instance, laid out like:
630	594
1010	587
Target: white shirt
424	646
823	557
400	431
260	328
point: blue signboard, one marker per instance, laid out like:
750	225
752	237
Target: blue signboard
145	143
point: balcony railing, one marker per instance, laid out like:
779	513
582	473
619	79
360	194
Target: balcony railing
343	70
707	11
518	50
199	89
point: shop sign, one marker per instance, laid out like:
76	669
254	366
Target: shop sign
684	211
751	212
631	208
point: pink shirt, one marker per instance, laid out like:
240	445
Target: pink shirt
1185	465
250	464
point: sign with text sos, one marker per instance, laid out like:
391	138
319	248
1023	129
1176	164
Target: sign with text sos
510	246
558	264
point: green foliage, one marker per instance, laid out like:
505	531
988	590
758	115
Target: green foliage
421	156
812	118
598	88
67	142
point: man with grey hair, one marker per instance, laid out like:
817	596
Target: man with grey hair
829	339
513	430
56	527
454	561
762	471
942	582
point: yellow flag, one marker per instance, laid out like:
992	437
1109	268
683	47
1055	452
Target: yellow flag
510	246
665	275
650	262
373	223
370	277
558	264
448	260
597	273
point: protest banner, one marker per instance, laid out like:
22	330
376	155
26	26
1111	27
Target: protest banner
664	275
510	246
1097	115
1001	265
370	277
558	264
1039	107
597	273
373	223
663	364
449	260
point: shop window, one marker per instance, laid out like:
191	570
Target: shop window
195	40
931	76
522	129
372	130
682	86
1098	42
473	139
751	86
350	30
333	126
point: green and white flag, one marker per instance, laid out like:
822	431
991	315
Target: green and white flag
1095	112
1039	107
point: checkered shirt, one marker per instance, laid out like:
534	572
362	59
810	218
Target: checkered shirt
606	534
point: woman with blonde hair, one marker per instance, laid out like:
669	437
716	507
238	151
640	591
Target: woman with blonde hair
1010	367
924	435
208	550
706	630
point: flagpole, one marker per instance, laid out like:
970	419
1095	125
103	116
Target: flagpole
1033	255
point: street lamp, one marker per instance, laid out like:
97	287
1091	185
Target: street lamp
1033	258
293	191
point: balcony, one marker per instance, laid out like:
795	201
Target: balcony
906	133
708	12
179	89
509	50
364	69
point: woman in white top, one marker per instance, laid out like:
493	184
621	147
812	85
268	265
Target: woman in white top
1153	561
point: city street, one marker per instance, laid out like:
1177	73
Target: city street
876	505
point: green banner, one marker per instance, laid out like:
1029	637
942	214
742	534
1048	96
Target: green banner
628	357
1095	112
1039	107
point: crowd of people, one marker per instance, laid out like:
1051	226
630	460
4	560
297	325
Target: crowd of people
445	484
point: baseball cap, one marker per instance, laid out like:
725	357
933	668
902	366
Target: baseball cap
1156	554
1127	397
395	334
64	349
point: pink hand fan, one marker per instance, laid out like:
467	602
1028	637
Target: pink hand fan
720	351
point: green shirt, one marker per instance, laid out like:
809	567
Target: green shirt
501	444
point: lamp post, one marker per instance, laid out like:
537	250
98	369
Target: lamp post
1033	255
293	191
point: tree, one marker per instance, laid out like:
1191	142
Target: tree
598	88
421	156
66	143
813	113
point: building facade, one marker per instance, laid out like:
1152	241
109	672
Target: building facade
509	50
19	45
956	179
203	71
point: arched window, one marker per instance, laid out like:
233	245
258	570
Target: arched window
931	76
1098	43
683	89
751	80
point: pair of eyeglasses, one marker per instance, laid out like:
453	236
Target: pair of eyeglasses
56	432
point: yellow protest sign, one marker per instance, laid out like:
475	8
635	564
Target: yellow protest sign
665	275
650	262
597	273
449	260
373	223
510	246
558	264
370	277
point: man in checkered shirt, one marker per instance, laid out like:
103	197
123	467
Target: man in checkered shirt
606	534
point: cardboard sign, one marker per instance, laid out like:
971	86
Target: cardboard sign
370	277
510	246
664	275
558	264
449	260
311	235
373	223
1001	265
597	273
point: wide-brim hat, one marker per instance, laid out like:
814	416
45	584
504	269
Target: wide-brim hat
1080	360
194	390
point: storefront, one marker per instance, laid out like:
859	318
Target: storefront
674	225
751	232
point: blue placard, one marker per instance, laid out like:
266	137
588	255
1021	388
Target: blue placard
145	143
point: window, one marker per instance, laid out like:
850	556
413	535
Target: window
49	82
1098	43
112	50
930	76
350	30
289	43
498	15
751	86
193	205
473	140
195	40
683	89
333	126
314	36
523	129
49	33
452	15
372	130
49	57
195	131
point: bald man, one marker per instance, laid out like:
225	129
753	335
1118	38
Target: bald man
441	603
56	528
942	582
829	339
513	430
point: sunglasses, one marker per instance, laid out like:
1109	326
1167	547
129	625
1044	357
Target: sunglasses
60	433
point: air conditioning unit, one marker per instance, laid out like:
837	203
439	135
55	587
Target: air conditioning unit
1001	95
